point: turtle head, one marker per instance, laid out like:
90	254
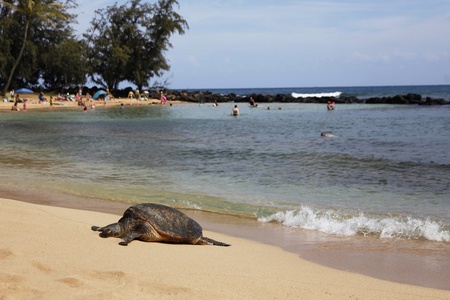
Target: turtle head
112	230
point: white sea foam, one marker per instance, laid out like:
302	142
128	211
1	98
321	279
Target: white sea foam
189	204
317	95
331	222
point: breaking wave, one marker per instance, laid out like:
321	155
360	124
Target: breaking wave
330	222
316	95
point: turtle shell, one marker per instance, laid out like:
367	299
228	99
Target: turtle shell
167	221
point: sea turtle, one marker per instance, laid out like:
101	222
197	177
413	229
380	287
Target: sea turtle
151	222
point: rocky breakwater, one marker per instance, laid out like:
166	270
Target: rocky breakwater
406	99
209	97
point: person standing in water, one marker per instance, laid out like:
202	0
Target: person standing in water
163	99
330	105
235	111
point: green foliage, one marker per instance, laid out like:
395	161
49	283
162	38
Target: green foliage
64	65
124	43
29	29
128	42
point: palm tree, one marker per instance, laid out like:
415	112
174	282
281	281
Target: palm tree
31	12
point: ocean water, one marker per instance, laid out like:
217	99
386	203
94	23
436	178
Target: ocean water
383	172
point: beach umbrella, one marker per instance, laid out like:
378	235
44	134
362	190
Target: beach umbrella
24	91
98	94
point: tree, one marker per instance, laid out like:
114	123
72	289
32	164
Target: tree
64	64
30	16
128	42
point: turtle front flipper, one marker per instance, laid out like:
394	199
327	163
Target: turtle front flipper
127	238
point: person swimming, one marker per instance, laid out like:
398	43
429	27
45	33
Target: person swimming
325	134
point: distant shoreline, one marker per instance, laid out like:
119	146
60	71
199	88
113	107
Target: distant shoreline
32	103
184	96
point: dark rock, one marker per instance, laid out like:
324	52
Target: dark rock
209	97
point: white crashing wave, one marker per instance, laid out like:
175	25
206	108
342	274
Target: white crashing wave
318	95
331	222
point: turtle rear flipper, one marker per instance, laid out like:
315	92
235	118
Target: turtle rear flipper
207	241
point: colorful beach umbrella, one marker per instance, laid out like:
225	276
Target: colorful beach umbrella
98	94
24	91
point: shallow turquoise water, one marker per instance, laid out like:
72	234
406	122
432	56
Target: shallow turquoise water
385	172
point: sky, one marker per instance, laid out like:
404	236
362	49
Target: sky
315	43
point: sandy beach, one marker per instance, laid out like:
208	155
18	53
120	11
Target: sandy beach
33	103
47	252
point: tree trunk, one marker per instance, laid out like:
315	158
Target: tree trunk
19	57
